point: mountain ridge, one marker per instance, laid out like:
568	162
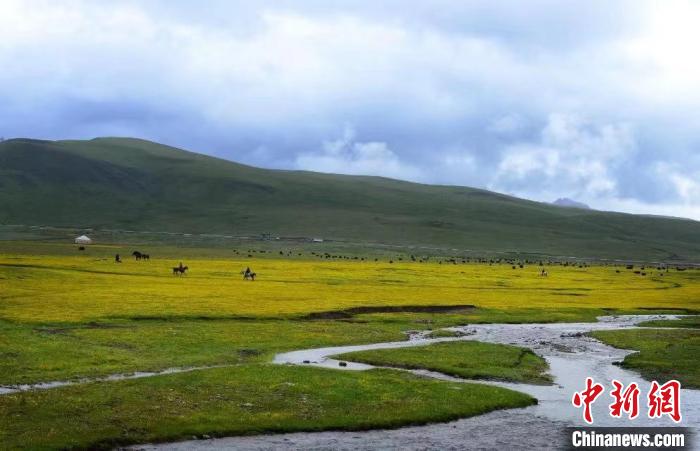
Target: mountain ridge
570	203
134	183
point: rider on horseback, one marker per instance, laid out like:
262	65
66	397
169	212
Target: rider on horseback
248	274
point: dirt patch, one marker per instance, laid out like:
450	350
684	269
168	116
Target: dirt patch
247	353
184	318
349	313
125	346
96	325
672	309
67	329
51	330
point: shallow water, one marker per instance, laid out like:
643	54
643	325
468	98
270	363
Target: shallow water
8	389
500	430
571	356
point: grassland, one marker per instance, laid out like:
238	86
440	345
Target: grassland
84	315
35	353
66	314
469	360
91	287
689	322
663	354
233	401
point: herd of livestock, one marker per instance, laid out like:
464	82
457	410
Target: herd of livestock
248	274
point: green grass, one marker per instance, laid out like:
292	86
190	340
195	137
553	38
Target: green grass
663	353
136	185
241	400
468	359
50	352
690	322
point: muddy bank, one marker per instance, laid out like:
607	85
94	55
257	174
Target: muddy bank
350	312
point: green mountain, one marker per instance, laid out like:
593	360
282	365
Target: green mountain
139	185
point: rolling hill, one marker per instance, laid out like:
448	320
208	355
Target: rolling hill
140	185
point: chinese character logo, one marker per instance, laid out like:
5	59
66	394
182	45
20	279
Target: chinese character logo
626	400
587	397
665	400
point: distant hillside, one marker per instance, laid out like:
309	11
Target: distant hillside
140	185
570	203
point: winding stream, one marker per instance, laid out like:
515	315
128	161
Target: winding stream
571	355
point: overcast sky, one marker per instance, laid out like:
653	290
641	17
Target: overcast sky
598	101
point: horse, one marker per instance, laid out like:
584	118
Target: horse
138	255
145	256
179	270
249	275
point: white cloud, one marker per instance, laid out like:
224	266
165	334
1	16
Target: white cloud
506	125
685	181
664	54
348	156
573	158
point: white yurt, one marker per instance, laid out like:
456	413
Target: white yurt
83	239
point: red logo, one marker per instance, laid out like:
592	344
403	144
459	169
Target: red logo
665	400
625	401
587	397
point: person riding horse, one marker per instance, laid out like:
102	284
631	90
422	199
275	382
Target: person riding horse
248	274
180	269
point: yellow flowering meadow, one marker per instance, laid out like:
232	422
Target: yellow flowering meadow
38	288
